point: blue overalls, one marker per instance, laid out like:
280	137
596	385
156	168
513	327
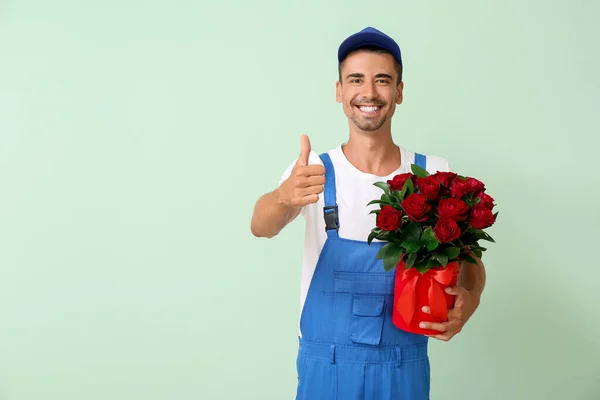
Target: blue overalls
349	349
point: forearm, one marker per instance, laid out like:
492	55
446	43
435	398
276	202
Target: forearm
271	215
472	276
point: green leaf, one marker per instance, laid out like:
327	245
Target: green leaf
482	235
384	186
441	257
433	263
408	188
375	212
479	252
410	260
390	262
421	265
394	251
452	252
412	231
389	249
381	253
392	256
428	234
397	195
433	245
374	202
411	247
373	235
418	171
429	240
467	258
467	235
386	199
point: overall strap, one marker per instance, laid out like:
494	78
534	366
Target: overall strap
330	211
421	160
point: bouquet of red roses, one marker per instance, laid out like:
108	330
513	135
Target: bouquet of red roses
430	222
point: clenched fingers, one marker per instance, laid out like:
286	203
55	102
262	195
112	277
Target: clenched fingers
311	170
308	181
310	190
442	327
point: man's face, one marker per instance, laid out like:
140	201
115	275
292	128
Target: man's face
369	90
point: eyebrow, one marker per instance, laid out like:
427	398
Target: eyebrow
359	75
355	75
383	76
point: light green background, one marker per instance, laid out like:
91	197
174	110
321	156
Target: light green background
136	136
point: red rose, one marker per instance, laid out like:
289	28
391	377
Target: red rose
485	199
389	218
429	187
445	178
397	181
481	217
454	209
474	185
458	188
416	207
446	230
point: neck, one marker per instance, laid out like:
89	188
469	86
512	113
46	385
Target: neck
372	152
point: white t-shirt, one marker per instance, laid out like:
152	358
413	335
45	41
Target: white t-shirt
354	189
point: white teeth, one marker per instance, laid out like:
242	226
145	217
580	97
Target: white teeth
369	109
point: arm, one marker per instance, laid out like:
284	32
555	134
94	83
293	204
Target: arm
471	281
472	277
271	215
274	210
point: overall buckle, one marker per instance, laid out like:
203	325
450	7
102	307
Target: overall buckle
331	217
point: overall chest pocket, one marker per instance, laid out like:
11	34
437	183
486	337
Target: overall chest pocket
367	318
363	296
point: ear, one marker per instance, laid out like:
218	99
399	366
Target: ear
338	92
400	95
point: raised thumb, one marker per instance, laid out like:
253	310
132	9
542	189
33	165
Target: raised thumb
304	150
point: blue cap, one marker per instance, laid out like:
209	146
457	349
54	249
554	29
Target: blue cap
369	37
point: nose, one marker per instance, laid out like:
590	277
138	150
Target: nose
370	90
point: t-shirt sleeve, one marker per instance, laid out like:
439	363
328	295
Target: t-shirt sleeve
435	164
286	174
447	166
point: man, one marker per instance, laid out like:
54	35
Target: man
349	348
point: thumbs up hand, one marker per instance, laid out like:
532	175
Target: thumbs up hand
305	182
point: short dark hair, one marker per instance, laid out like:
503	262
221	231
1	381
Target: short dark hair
372	49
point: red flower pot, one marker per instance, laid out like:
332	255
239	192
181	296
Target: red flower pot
413	290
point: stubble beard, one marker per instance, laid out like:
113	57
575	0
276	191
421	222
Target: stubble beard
369	124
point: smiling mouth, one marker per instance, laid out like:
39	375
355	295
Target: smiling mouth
369	110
